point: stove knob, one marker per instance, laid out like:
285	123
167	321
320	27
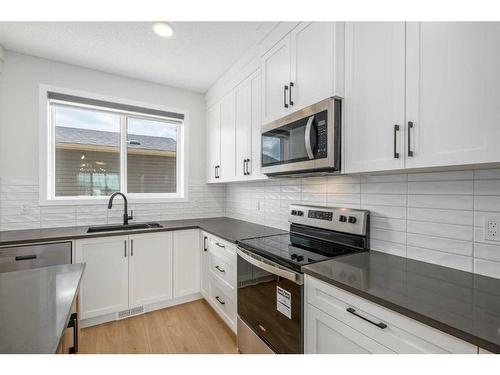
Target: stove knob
352	219
300	258
294	256
342	218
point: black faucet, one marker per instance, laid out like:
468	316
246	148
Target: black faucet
126	216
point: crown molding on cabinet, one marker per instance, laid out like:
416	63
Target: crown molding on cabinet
269	34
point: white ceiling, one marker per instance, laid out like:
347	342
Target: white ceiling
194	58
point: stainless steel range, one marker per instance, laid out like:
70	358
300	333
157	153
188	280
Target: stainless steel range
270	280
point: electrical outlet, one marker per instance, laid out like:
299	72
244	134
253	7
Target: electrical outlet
491	229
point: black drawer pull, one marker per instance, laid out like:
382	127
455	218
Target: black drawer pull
353	312
219	300
73	323
218	244
26	257
220	269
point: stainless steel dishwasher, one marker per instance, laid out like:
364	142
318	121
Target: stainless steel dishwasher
14	258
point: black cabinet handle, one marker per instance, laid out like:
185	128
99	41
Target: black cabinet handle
410	126
353	312
219	300
217	167
26	257
73	323
218	244
215	172
244	167
285	89
396	153
205	243
125	242
220	269
290	94
131	248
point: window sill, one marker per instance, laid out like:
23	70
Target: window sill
137	199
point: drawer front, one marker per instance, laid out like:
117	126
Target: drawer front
400	334
223	270
222	299
222	248
327	335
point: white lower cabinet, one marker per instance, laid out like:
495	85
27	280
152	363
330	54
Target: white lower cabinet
127	275
218	275
104	287
368	328
186	262
150	268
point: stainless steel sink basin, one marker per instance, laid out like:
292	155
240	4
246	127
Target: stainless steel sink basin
116	227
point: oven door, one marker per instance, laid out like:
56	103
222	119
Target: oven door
270	300
307	140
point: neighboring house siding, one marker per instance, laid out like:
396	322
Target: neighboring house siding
146	173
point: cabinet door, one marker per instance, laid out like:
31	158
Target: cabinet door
213	142
227	138
374	96
204	266
150	268
275	76
312	65
326	335
254	164
243	127
104	287
453	91
186	262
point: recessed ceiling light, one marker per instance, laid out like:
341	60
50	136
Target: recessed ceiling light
163	29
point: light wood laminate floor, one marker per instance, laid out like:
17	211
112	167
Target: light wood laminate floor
189	328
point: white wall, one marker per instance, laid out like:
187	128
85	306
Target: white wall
432	217
19	85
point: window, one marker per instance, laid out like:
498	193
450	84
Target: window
97	147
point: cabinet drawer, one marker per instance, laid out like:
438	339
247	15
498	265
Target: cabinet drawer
222	248
222	269
400	334
222	299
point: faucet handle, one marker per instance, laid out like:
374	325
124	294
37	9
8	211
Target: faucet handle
131	216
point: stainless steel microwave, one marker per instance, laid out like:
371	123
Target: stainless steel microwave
306	142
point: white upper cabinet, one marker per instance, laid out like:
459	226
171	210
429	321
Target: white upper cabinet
254	164
276	80
227	138
303	68
187	262
150	268
243	128
374	104
312	64
213	143
453	91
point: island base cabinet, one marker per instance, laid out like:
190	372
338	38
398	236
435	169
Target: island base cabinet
341	322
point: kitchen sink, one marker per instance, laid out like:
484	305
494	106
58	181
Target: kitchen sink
116	227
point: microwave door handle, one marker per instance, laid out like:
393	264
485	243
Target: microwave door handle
271	267
307	136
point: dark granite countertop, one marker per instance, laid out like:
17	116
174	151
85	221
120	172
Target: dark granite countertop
459	303
229	229
35	306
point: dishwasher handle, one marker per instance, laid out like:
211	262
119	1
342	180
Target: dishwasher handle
270	266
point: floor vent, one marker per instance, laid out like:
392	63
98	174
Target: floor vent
130	312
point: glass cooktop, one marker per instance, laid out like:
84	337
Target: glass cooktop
294	250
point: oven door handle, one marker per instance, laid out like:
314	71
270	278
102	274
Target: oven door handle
307	136
271	267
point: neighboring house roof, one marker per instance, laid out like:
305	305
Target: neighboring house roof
110	139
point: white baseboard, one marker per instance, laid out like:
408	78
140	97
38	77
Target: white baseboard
147	308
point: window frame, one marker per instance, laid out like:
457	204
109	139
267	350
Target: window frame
47	149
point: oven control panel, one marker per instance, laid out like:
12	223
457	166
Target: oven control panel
340	219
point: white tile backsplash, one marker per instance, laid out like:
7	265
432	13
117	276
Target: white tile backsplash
435	217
